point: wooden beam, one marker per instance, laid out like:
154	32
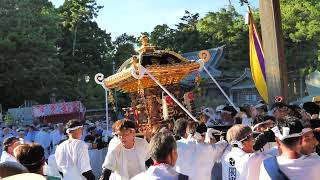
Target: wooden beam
276	67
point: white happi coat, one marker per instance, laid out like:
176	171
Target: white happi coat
72	159
234	163
196	159
116	162
5	156
52	167
162	171
305	167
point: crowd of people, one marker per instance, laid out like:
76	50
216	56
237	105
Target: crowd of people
252	142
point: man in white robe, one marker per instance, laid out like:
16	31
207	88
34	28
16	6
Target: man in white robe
196	158
163	149
234	162
291	163
72	155
128	158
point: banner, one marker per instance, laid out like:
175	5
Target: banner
257	63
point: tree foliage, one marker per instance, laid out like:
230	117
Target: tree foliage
227	28
47	50
29	68
301	31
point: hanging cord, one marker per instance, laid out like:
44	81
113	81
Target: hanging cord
202	67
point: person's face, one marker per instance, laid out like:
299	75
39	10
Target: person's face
12	146
226	116
126	136
248	144
308	143
77	133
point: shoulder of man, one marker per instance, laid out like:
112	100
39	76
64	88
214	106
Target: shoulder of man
141	176
140	141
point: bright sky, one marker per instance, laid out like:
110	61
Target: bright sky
136	16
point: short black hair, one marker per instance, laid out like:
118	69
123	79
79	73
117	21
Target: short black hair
73	123
295	126
180	127
311	108
161	145
30	156
278	105
124	124
230	109
295	111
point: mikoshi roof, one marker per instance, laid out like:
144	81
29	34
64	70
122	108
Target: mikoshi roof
166	66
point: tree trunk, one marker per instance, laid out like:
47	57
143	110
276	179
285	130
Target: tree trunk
74	40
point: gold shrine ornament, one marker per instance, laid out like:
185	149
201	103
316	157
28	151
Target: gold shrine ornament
168	67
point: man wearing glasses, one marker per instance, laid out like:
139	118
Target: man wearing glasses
234	162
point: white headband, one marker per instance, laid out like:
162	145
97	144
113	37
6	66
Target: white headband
259	105
72	129
223	111
305	130
285	133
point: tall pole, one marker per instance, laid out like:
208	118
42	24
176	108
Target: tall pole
115	92
275	63
99	79
107	109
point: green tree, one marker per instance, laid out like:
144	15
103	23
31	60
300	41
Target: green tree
163	37
187	37
301	32
124	48
93	55
227	28
76	11
29	68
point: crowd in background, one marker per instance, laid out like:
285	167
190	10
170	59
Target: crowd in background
253	142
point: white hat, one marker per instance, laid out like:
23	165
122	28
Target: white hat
220	108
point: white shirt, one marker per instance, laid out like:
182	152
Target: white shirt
251	169
305	167
233	163
114	142
7	157
196	159
132	159
162	171
117	162
52	169
72	156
